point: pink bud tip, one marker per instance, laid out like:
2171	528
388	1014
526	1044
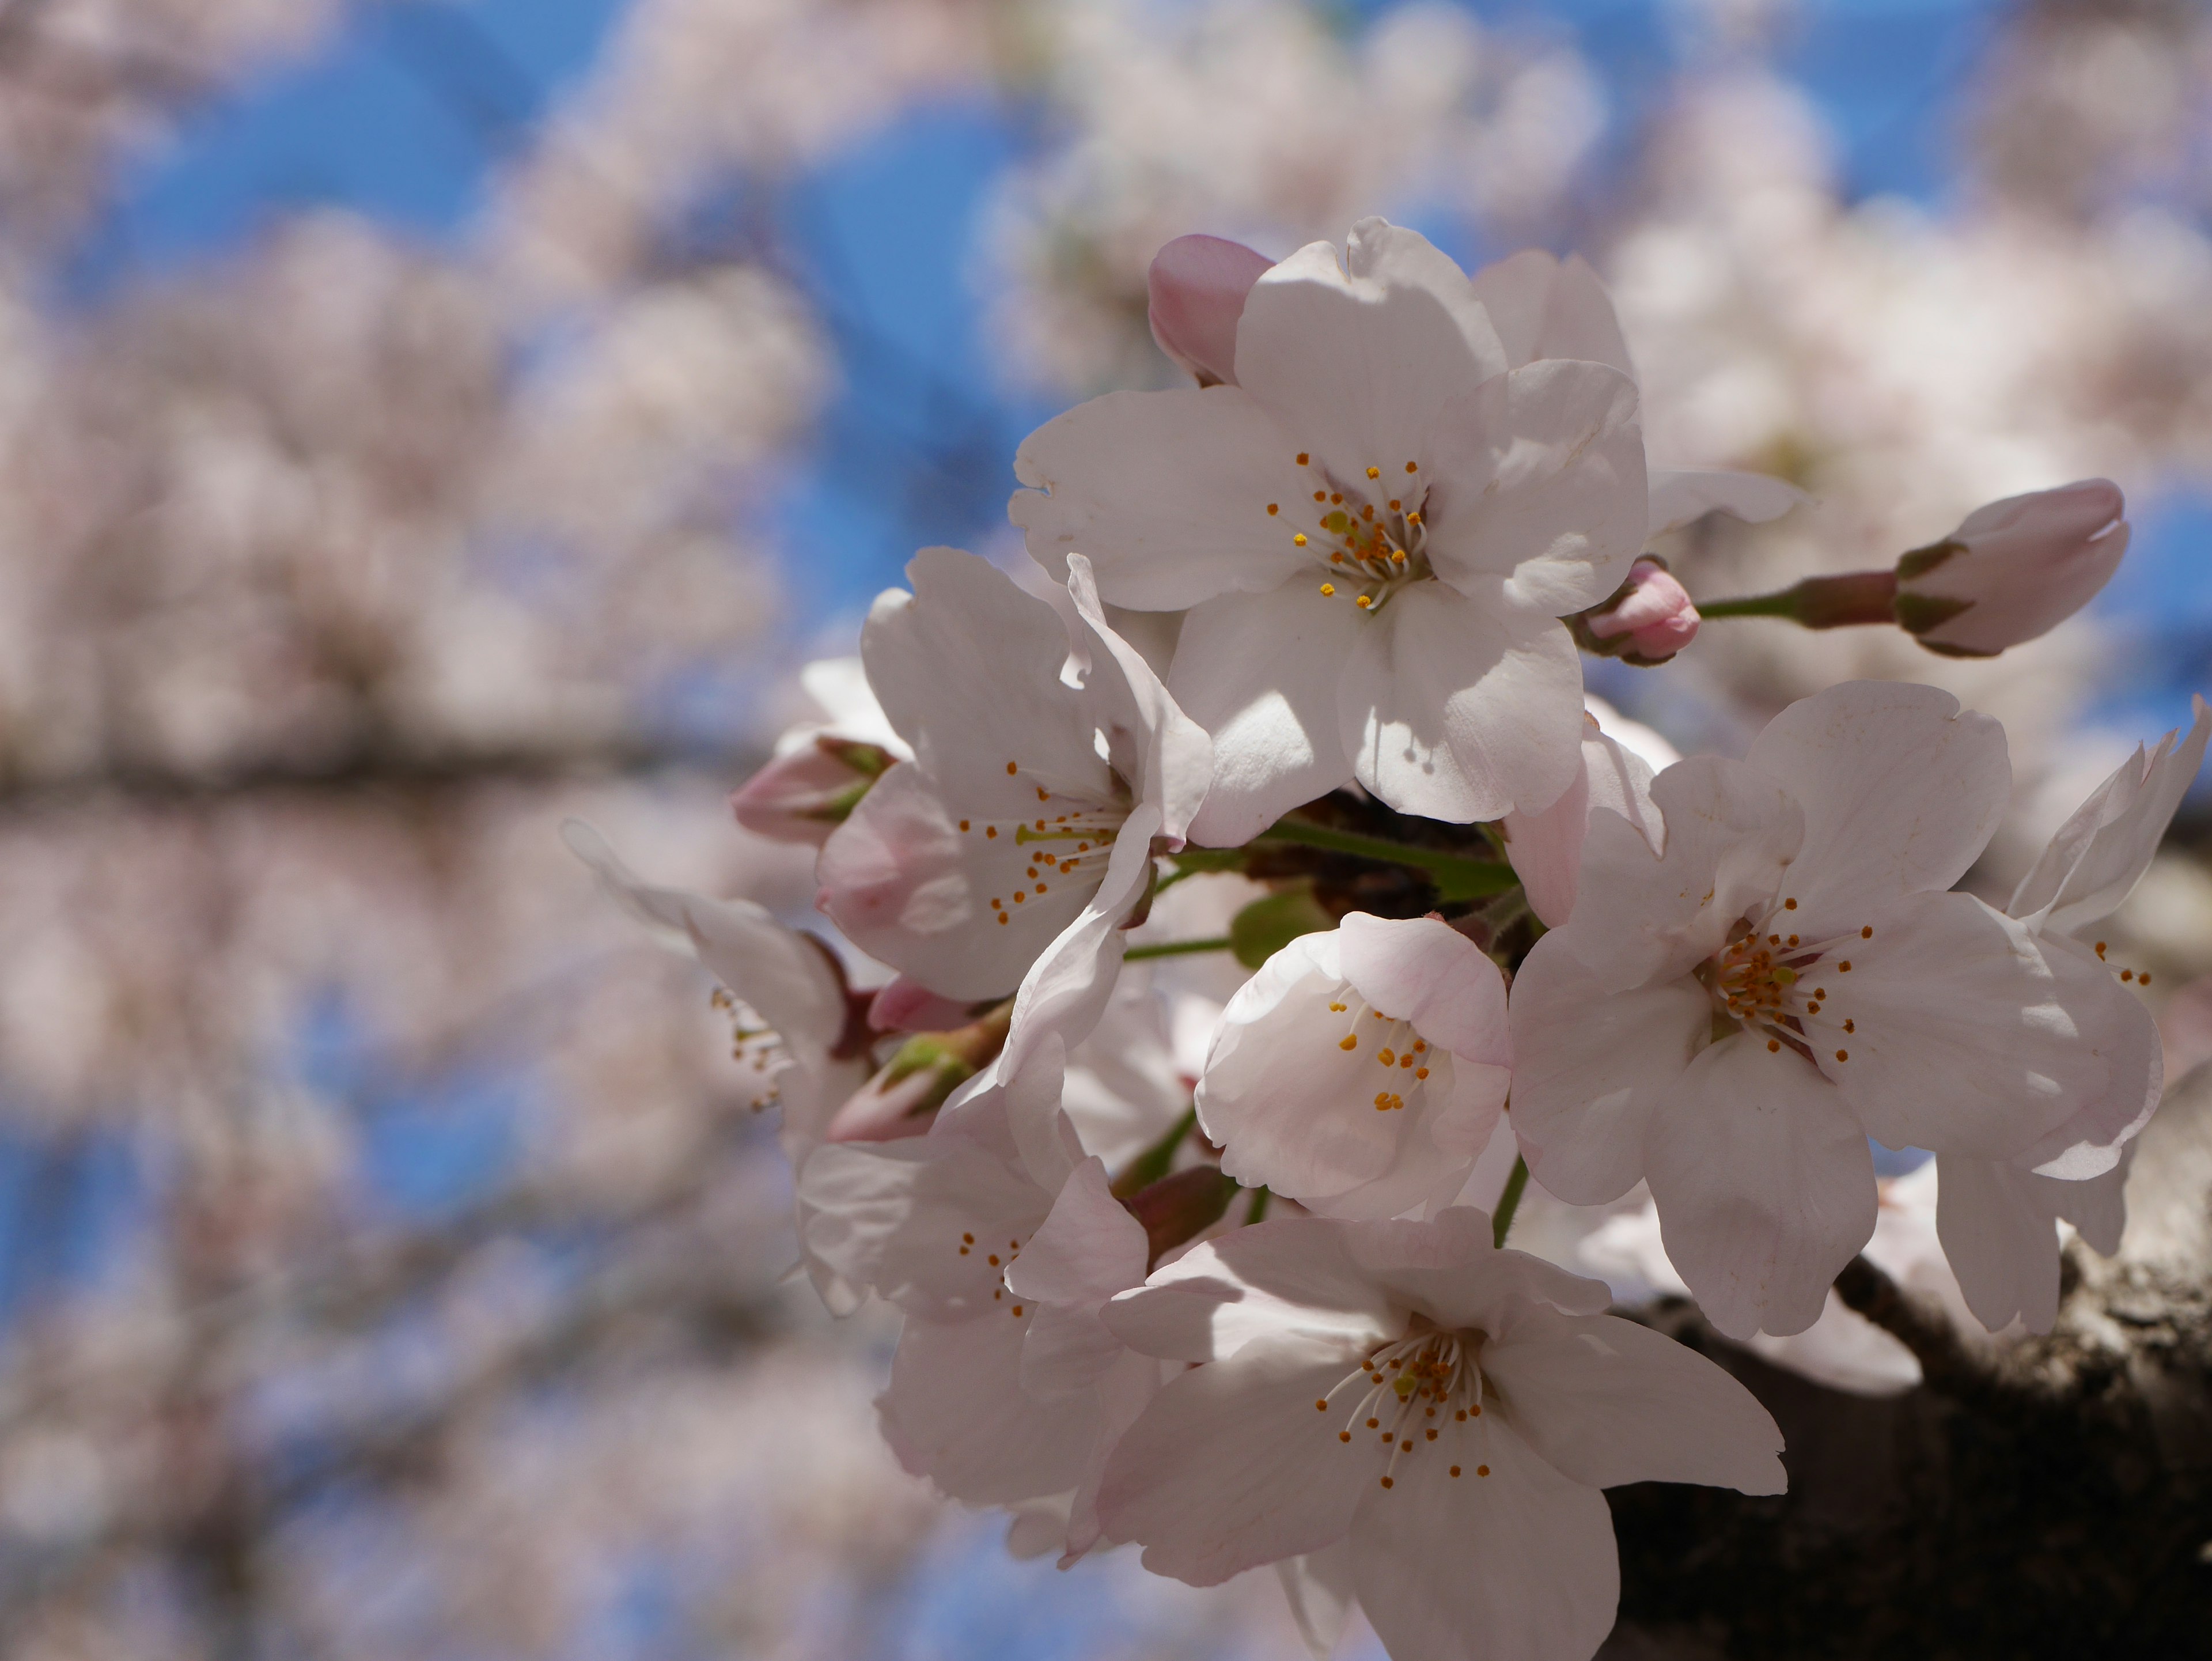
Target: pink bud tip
907	1006
2014	569
1198	285
1656	614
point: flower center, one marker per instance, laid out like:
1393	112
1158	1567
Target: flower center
1067	842
1424	1387
1403	1055
1368	542
1770	981
757	1048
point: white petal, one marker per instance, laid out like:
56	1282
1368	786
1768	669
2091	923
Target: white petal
1590	1067
1680	495
1259	672
1450	1271
1967	1039
2001	1240
1546	848
1231	1467
968	670
785	978
1543	306
1461	709
912	889
1167	494
1518	1565
1087	1249
1540	480
957	1414
1901	791
1172	757
1318	1586
1356	368
2100	853
2096	1205
1765	1186
1427	972
1292	1278
1608	1401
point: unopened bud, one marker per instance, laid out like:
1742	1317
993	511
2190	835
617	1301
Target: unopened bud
1645	622
1198	285
802	796
1180	1206
2013	570
903	1097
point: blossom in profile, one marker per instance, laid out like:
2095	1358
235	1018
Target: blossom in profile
1362	1070
1376	530
2014	569
1032	792
1447	1411
1195	294
821	769
1733	1018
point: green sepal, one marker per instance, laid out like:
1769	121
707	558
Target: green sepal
1267	925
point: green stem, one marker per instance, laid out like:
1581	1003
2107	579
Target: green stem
1835	602
1509	1200
1457	876
1260	1198
1176	948
1149	1166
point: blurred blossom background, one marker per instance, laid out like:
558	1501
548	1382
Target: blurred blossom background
421	420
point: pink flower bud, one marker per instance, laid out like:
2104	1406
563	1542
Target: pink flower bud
2013	570
1652	621
907	1006
1198	286
806	793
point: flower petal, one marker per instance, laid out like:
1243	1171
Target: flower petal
1680	495
1427	972
1230	1467
1171	758
957	1414
1261	673
1591	1066
1901	791
1545	306
1608	1401
1516	1565
1765	1186
1196	287
1539	480
1462	708
1318	1586
1167	494
1297	1279
2001	1240
1356	365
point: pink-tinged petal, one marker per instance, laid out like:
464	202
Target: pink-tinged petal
2097	1205
956	1412
2094	1141
1591	1067
2100	853
1901	790
1171	758
1197	286
1087	1249
1544	306
1261	673
1318	1587
1459	708
2001	1240
1608	1401
1292	1278
2022	566
1230	1467
803	794
1358	364
1539	481
1966	1035
1123	1396
1166	493
912	889
943	660
1545	849
902	1004
1730	834
1680	495
1765	1186
787	979
1427	972
1448	1270
1653	619
1516	1565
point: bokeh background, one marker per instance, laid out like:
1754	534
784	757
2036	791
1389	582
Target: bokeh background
423	419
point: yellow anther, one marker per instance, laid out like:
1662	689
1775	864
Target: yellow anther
1300	539
1365	601
1374	472
1328	588
1350	1041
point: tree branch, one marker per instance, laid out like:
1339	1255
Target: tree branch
1946	1365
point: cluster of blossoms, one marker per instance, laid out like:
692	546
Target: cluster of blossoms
1220	1270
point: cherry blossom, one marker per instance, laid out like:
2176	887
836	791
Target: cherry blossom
1733	1018
1362	1070
1649	620
821	768
1377	530
1620	758
1196	290
2014	569
1032	792
1447	1410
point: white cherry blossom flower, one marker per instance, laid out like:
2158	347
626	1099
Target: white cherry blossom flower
1362	1070
1047	760
1446	1411
1733	1018
1998	1218
1377	529
1001	1241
